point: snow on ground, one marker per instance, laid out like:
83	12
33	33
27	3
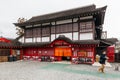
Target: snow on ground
35	70
98	64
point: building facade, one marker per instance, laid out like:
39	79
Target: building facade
71	35
9	47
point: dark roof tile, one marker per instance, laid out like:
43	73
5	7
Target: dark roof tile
38	44
12	44
86	42
111	40
62	14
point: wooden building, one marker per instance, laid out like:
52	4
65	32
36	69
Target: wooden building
8	47
73	34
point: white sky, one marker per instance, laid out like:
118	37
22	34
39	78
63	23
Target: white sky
11	10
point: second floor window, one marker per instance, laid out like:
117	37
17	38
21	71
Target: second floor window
86	26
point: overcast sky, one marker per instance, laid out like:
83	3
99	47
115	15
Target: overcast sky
11	10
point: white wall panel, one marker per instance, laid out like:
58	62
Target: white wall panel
64	21
75	36
52	37
21	40
38	39
45	39
86	36
28	40
87	17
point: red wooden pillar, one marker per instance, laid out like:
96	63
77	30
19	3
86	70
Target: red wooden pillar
21	54
110	54
93	50
10	51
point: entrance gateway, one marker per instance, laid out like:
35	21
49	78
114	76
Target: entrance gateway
62	49
63	53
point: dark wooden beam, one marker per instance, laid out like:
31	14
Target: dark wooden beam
41	33
72	28
50	32
55	29
25	36
32	34
78	29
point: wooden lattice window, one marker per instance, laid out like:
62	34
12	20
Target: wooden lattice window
53	29
28	33
86	26
75	26
64	28
45	31
37	32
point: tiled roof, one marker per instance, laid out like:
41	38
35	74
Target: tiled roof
38	44
86	42
11	44
63	13
111	40
81	11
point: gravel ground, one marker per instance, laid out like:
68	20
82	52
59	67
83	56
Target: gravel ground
34	70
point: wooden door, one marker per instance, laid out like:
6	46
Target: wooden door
63	52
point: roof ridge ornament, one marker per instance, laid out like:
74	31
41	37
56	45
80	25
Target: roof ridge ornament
61	35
